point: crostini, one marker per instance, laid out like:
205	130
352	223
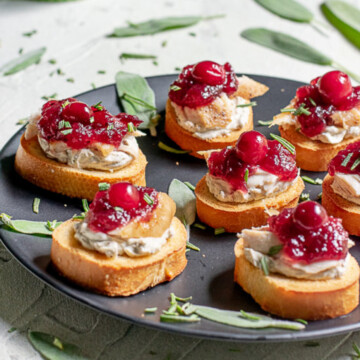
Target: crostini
299	266
128	241
209	107
322	119
341	188
70	147
245	183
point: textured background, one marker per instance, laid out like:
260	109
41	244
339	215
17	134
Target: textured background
74	35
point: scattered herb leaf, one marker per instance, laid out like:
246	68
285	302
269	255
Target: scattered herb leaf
313	103
22	121
265	123
30	33
102	72
311	344
275	249
355	164
36	204
191	246
302	321
11	330
175	88
219	231
284	143
248	316
264	266
126	56
150	310
70	80
52	61
103	186
251	103
199	226
309	180
49	97
85	205
148	199
347	159
170	149
246	175
304	197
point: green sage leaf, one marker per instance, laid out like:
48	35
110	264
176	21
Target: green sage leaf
185	201
288	9
52	348
22	62
136	87
345	17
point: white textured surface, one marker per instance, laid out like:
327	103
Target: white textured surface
74	35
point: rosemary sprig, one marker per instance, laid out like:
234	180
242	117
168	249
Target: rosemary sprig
36	204
309	180
284	143
148	199
246	175
85	205
265	123
199	226
219	231
103	186
150	310
275	249
191	246
347	159
355	164
251	103
170	149
264	266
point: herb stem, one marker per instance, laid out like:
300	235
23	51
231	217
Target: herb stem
36	204
191	246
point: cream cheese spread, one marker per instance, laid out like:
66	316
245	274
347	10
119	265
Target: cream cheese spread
347	186
112	245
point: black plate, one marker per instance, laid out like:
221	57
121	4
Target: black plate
208	276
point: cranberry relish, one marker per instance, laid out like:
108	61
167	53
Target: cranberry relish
325	95
198	85
309	235
80	126
251	152
120	204
347	161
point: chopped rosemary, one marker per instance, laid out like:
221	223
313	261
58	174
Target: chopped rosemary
265	123
91	120
192	34
58	343
131	98
179	318
30	33
355	164
313	103
170	149
131	127
148	199
264	266
103	186
22	121
52	61
191	246
66	132
102	72
219	231
309	180
251	103
98	106
79	217
304	197
53	96
118	208
150	310
275	249
301	110
177	68
125	56
246	175
175	88
93	85
155	63
70	80
36	204
110	127
85	205
51	225
60	72
21	50
284	143
65	103
347	159
302	321
248	316
189	185
199	226
177	298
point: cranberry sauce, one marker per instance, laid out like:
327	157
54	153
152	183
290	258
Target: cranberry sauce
309	235
347	161
325	95
236	164
79	125
120	204
198	85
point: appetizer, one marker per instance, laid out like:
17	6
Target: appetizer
246	182
209	107
341	188
70	147
322	119
128	241
298	266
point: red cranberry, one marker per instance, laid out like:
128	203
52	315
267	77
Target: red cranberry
315	81
310	215
209	72
251	147
77	112
335	87
124	195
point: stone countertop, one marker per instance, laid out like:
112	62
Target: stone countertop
74	34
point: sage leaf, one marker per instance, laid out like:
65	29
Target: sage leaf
22	62
155	26
344	17
185	201
52	348
288	9
137	87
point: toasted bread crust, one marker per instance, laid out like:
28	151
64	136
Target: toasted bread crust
33	165
296	298
313	155
337	206
121	276
187	141
236	217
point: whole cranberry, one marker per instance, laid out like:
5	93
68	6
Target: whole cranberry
251	147
124	195
310	215
334	87
77	112
209	72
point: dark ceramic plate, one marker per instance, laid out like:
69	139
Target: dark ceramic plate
208	276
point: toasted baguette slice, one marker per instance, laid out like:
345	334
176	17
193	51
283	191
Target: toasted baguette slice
33	165
296	298
235	217
120	276
337	206
187	141
313	155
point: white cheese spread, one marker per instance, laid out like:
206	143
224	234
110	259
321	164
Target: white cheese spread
347	186
112	245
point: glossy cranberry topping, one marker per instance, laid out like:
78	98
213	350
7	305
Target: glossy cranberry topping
251	147
310	215
79	125
226	164
199	84
347	161
326	240
118	205
325	95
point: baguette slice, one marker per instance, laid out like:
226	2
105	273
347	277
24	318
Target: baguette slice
33	165
120	276
187	141
313	155
296	298
337	206
235	217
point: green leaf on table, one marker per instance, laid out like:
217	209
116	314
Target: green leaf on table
130	89
288	9
185	201
22	62
345	17
51	348
155	26
125	56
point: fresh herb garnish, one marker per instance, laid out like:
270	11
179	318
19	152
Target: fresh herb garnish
22	121
219	231
251	103
264	266
246	175
347	159
36	204
191	246
313	103
85	205
52	61
355	164
164	43
311	344
170	149
66	132
150	310
60	72
125	56
49	97
30	33
93	85
309	180
275	249
131	127
118	208
61	124
58	343
51	225
104	186
284	143
148	199
102	72
70	80
20	51
110	126
11	330
91	120
301	110
175	88
302	321
98	106
199	226
189	185
304	197
192	34
265	123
